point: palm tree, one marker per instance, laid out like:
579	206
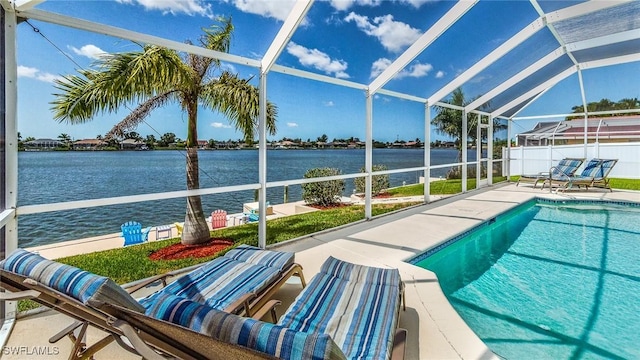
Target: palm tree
449	122
65	139
154	77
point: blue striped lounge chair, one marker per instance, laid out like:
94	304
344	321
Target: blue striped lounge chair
565	167
357	306
595	174
241	282
347	311
245	278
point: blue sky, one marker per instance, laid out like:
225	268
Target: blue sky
353	40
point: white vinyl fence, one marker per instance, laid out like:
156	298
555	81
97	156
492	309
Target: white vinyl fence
534	159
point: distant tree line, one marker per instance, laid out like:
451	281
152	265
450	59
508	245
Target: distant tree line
171	140
607	105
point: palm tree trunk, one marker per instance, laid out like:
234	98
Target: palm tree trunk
196	230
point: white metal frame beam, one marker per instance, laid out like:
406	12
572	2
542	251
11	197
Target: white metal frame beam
604	40
538	89
583	66
10	118
581	9
8	217
26	4
7	5
610	61
297	14
544	61
548	19
80	24
444	23
492	57
317	77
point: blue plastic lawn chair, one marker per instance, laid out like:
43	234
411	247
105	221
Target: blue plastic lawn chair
133	233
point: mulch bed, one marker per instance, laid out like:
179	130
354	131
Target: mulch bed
332	206
180	251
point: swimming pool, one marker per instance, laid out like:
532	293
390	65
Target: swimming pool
548	280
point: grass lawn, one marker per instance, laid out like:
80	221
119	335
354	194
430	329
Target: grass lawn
446	187
439	187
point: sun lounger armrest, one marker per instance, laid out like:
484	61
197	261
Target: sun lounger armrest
141	347
399	344
20	295
149	281
270	306
242	302
557	172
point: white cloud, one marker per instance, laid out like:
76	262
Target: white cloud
229	67
317	59
416	3
33	73
394	35
379	66
189	7
292	124
279	9
328	103
416	70
90	51
342	5
219	125
440	74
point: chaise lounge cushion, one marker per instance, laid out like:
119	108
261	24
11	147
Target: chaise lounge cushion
261	336
219	283
79	284
250	254
222	281
356	305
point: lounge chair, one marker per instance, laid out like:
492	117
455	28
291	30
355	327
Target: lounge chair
566	167
594	174
242	281
347	311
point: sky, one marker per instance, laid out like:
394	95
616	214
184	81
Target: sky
354	40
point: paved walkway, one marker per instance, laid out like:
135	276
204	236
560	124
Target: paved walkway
435	329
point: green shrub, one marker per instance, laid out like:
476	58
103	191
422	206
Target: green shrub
378	182
322	193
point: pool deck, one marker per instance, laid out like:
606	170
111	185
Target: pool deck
435	329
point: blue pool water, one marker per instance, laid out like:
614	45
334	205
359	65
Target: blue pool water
548	281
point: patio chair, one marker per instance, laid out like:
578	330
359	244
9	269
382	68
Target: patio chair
133	233
218	219
347	311
566	167
179	227
595	174
241	282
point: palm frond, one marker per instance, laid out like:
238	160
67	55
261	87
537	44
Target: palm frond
117	79
137	116
238	100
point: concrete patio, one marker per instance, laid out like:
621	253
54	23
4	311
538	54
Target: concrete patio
435	329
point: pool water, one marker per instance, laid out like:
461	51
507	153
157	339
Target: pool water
549	281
